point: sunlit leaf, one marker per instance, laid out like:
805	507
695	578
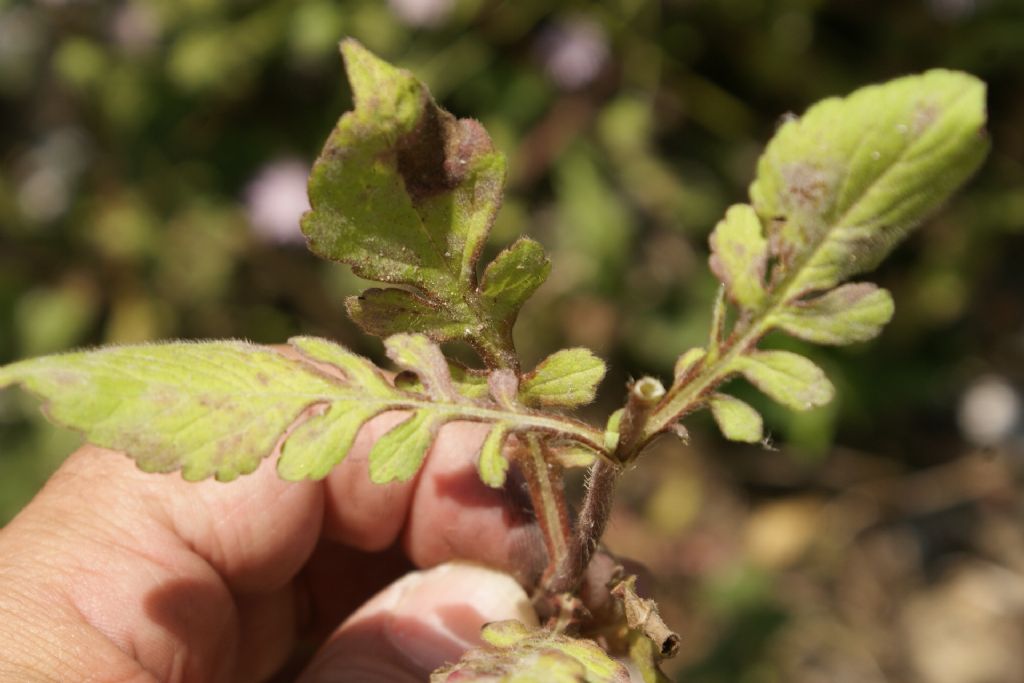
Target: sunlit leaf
405	193
840	186
218	408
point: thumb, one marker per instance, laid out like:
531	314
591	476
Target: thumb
418	623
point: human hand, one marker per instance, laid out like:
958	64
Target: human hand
111	574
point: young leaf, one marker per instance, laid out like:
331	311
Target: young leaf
688	361
841	185
739	255
218	408
737	420
567	378
788	378
511	278
835	190
492	463
850	313
405	193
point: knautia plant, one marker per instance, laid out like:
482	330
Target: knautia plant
405	194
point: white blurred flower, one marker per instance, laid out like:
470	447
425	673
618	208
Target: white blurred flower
421	13
990	411
574	51
275	200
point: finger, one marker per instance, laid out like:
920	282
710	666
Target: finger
418	623
160	567
445	512
453	514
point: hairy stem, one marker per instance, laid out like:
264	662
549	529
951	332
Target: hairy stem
593	518
547	494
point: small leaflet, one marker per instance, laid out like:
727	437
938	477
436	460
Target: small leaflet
790	379
850	313
567	378
737	420
739	256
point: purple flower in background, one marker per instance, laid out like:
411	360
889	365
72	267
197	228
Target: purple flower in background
421	13
276	199
574	51
136	27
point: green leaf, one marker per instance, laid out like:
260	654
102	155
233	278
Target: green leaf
788	378
850	313
218	408
405	193
739	256
688	361
385	312
208	409
512	277
737	420
416	353
645	658
515	654
566	378
841	185
492	463
398	454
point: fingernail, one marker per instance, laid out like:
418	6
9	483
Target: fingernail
452	602
419	623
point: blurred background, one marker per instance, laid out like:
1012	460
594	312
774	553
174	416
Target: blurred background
153	156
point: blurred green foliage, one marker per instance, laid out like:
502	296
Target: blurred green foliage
151	151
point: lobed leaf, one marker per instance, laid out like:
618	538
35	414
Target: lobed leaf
567	378
737	420
788	378
213	409
841	185
405	193
218	408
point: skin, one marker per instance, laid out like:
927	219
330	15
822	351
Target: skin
114	575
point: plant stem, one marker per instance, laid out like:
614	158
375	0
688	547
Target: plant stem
593	518
544	480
